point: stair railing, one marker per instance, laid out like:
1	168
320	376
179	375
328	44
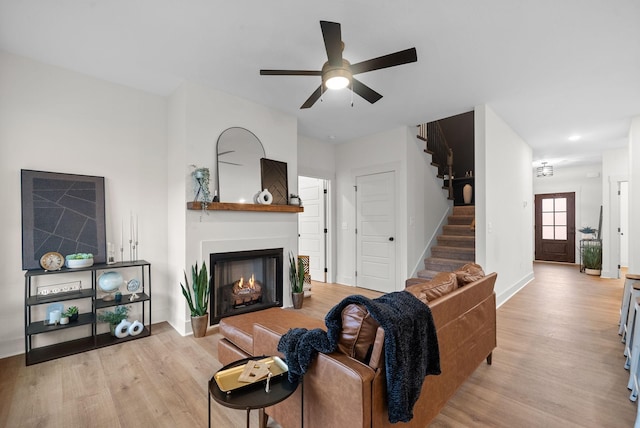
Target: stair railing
441	153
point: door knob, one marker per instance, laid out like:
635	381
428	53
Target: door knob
391	238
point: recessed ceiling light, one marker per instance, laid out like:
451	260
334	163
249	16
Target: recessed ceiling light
574	138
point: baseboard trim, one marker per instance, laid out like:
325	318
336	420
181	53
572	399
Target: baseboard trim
503	297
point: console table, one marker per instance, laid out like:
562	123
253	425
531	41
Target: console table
74	293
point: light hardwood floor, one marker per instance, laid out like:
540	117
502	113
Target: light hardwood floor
559	363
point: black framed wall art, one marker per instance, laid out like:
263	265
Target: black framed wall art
63	213
274	178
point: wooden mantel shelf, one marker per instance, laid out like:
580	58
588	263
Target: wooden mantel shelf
230	206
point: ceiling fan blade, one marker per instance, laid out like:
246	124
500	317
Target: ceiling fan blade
332	42
364	91
313	98
402	57
290	73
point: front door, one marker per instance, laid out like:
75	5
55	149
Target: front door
376	231
555	227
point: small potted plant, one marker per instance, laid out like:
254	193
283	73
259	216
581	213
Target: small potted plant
296	280
72	313
79	260
198	301
114	317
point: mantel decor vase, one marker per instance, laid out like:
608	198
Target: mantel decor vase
298	298
199	325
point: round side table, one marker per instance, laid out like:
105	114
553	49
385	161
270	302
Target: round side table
254	397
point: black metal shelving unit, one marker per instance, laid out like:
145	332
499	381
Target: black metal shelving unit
34	355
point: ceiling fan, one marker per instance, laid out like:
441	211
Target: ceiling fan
337	72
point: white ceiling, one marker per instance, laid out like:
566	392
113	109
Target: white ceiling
549	68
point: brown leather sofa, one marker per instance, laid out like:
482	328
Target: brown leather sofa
348	386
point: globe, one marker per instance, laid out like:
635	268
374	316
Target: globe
109	282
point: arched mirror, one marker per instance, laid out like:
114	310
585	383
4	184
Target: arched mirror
238	155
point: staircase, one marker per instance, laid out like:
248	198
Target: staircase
456	246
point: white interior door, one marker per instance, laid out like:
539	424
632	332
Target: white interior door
624	223
312	225
376	231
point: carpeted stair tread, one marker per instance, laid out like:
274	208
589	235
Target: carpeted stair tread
464	210
460	219
443	265
453	253
465	241
458	230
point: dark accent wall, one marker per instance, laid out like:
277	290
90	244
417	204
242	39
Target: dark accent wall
458	131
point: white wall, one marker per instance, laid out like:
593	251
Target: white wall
634	195
380	152
199	115
177	171
421	202
615	164
427	204
317	159
61	121
504	212
586	182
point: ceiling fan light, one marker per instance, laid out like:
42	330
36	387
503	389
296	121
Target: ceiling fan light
336	77
337	82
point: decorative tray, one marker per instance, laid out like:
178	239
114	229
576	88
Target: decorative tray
229	380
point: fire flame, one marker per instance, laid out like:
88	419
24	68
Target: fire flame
252	280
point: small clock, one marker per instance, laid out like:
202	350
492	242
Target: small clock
133	285
52	261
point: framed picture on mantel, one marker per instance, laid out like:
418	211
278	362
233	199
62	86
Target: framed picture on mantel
62	213
274	178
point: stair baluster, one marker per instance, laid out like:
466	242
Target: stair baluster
441	153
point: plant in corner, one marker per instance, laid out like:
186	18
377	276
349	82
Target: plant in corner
592	259
296	279
198	301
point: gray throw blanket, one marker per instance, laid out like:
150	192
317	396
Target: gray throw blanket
410	346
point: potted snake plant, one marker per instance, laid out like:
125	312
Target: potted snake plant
296	280
197	297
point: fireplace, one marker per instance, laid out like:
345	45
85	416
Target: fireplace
245	281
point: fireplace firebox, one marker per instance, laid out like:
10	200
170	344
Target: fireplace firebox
245	281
